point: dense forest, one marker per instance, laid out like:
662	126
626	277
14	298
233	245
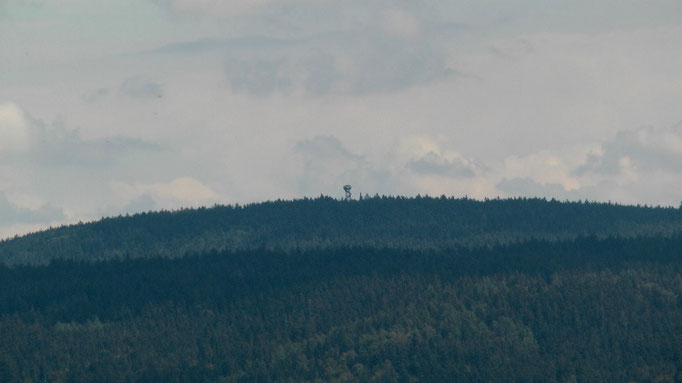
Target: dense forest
377	290
393	222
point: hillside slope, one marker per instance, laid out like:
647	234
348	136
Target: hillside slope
587	310
395	222
378	290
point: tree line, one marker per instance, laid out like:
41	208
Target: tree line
418	223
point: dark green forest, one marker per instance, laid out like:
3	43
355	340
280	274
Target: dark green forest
392	222
386	289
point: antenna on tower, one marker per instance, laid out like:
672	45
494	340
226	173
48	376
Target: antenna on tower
348	193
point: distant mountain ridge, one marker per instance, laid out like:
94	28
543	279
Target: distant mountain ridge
380	222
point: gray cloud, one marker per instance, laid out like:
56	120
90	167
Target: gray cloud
52	147
332	47
357	62
72	151
665	192
324	148
642	149
55	164
434	164
140	204
141	87
321	73
11	214
511	49
58	147
258	76
328	165
392	64
95	95
343	63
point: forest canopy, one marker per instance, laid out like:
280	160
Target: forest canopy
394	222
380	290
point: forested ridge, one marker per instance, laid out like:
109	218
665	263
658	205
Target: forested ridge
379	290
396	222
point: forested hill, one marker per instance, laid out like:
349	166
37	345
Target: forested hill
379	222
583	310
385	290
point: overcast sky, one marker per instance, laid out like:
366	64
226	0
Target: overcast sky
115	106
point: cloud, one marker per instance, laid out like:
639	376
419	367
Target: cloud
141	87
61	148
259	76
52	163
95	95
641	150
325	149
370	47
356	64
642	164
509	49
140	204
11	214
416	165
327	165
182	191
527	187
388	52
370	72
435	164
385	64
14	129
30	142
546	167
425	157
400	23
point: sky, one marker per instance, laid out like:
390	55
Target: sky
110	107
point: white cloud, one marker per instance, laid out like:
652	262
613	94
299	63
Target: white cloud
13	214
14	229
26	141
185	189
14	129
636	165
425	157
527	187
57	176
182	191
631	151
544	167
